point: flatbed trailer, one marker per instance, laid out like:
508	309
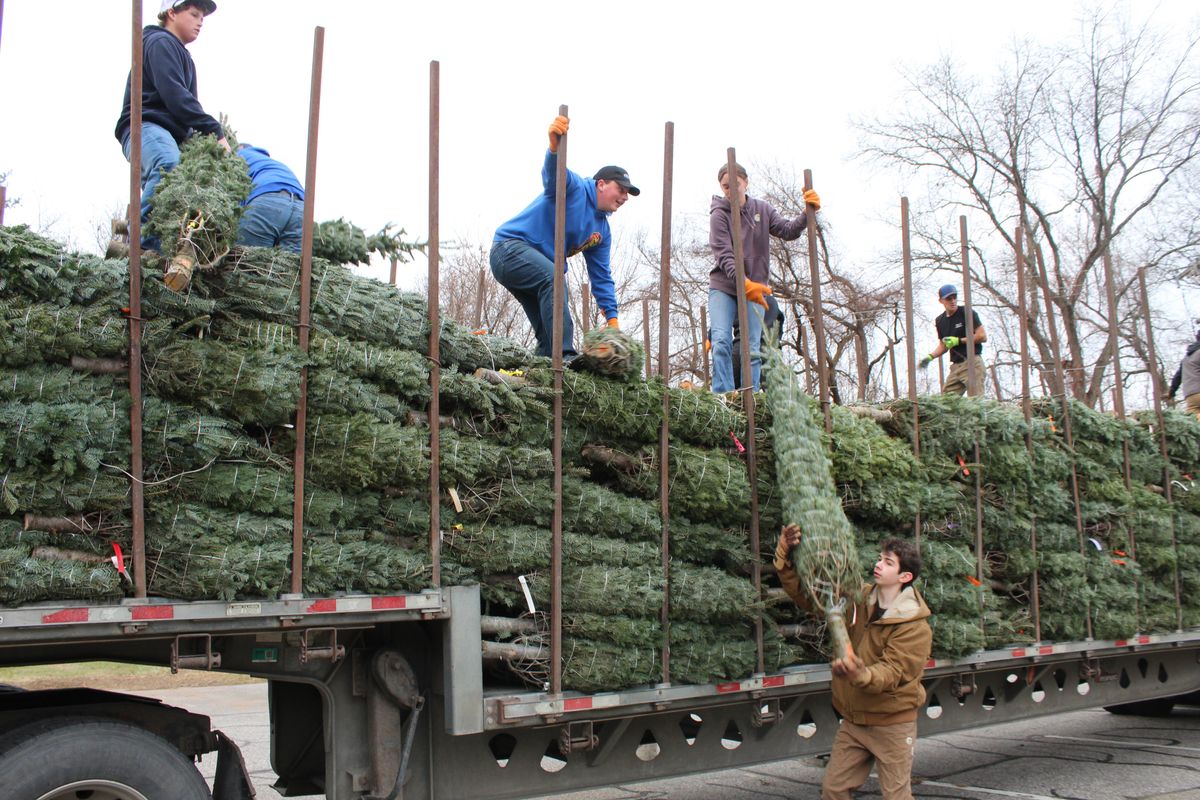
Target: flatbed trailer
355	681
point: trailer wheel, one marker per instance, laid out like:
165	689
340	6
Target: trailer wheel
72	759
1158	707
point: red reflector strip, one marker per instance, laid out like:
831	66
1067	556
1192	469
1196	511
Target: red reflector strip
577	703
772	682
1019	652
153	612
384	603
1143	640
1120	642
322	607
724	688
1046	650
66	615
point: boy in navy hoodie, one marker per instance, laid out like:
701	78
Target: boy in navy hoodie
522	257
170	110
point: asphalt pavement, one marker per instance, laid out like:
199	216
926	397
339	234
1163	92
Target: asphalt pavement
1082	755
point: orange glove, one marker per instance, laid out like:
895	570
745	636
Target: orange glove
708	345
557	129
612	323
755	292
811	198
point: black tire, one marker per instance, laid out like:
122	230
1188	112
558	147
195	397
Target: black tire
65	759
1158	707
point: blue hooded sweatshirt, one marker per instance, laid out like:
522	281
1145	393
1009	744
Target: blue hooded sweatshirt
168	89
587	230
267	174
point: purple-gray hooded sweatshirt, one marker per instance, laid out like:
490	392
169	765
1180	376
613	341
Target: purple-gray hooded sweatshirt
759	223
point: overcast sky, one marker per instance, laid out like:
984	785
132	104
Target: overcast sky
780	81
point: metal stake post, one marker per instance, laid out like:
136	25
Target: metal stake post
664	372
3	202
435	328
646	334
747	380
910	347
392	271
306	247
1168	491
972	391
556	557
585	299
818	317
137	512
1027	409
480	297
1118	379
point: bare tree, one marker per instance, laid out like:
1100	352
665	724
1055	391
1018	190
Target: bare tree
1082	145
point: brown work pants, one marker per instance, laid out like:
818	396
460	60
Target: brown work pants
857	747
1191	404
956	381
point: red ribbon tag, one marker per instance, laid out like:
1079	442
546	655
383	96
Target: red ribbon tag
963	464
737	442
118	561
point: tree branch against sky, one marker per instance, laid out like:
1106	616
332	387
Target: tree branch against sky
1089	143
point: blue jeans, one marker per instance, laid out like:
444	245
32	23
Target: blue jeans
160	153
273	220
529	276
723	317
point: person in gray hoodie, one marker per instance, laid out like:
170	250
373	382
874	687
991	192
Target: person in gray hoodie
759	222
1188	375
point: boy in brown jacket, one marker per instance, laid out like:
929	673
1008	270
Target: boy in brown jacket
877	688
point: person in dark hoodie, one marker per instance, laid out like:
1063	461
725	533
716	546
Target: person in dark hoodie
170	110
759	222
877	686
274	211
1188	376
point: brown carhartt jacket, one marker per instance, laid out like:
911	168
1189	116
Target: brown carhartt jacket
895	649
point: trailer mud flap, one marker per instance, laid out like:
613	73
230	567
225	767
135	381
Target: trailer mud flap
232	782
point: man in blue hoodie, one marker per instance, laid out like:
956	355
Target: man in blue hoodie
170	110
522	256
274	213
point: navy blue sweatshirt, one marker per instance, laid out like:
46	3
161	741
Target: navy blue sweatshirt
168	89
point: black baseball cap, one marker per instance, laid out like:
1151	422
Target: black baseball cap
611	173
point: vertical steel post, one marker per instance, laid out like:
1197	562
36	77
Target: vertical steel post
392	271
1114	346
1027	410
480	297
646	334
941	375
974	387
3	202
972	391
747	381
306	247
556	556
137	512
1168	491
818	316
704	346
910	346
1068	433
585	300
435	327
664	372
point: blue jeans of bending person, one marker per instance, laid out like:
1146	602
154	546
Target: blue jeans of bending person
529	276
273	220
160	153
723	317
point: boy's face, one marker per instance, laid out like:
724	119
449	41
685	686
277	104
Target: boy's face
741	188
610	195
950	303
185	24
888	573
